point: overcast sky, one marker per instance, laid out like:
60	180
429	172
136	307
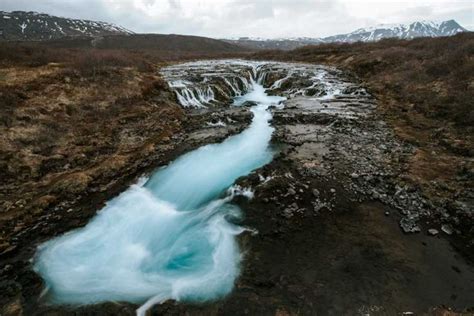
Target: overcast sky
255	18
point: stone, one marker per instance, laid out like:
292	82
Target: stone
409	225
288	213
447	229
433	231
375	195
316	193
8	250
333	190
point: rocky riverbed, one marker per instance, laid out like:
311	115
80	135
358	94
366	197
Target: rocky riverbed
333	227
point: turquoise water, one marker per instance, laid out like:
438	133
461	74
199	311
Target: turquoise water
169	237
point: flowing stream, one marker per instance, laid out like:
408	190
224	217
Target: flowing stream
172	236
169	237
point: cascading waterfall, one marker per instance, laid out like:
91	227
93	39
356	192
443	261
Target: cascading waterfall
195	97
235	81
277	84
170	237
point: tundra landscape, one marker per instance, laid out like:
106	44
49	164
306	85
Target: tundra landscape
153	174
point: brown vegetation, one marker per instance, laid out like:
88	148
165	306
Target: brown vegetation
73	122
117	50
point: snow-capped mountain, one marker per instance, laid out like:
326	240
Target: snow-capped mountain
20	25
402	31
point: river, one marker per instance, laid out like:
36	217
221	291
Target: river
170	236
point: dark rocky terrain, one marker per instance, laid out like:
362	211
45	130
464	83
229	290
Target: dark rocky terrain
424	88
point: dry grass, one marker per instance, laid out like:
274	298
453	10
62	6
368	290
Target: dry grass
68	110
71	119
138	53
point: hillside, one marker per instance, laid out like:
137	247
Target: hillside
20	25
171	43
52	31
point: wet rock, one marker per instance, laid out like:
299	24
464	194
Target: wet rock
433	231
447	229
375	195
409	225
291	210
288	213
249	104
317	91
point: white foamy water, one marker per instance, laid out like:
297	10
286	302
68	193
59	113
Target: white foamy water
170	238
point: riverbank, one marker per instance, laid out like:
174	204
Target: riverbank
424	90
71	142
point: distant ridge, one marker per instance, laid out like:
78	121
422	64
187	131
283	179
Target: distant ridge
370	34
402	31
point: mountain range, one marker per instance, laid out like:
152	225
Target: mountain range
21	25
370	34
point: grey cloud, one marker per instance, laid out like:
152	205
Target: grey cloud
264	18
